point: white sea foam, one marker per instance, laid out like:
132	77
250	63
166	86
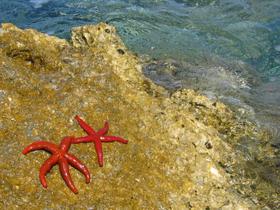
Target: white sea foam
38	3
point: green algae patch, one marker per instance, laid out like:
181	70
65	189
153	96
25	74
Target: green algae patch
182	151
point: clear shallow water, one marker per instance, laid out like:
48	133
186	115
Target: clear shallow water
242	36
247	30
227	49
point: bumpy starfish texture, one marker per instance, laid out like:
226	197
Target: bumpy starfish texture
96	137
61	157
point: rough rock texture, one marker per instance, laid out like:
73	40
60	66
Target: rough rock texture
182	151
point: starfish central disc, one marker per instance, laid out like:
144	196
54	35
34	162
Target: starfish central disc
61	157
96	138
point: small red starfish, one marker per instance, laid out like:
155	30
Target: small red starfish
96	137
61	157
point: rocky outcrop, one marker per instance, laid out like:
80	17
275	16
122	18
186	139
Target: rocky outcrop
182	151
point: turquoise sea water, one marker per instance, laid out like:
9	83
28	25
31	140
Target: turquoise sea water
227	49
245	30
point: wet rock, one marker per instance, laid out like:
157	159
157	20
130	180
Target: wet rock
176	141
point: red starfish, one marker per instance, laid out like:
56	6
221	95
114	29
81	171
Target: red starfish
61	157
96	137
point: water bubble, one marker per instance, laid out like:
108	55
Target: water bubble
39	3
277	48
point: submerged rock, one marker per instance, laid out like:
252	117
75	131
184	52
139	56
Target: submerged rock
182	151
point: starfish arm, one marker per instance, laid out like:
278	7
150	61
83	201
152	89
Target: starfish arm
99	152
66	143
113	138
40	145
84	139
64	171
84	125
45	168
104	130
78	165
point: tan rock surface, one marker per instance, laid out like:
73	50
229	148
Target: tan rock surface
182	148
